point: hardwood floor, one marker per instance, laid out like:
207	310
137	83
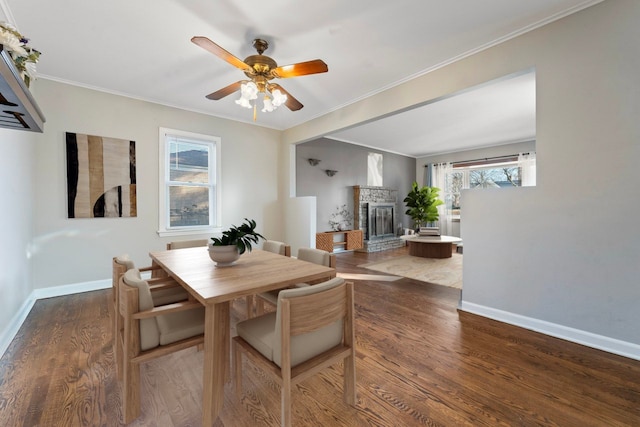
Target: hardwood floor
420	362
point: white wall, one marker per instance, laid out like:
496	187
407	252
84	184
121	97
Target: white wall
71	251
16	213
565	254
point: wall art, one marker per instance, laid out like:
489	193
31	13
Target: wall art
101	176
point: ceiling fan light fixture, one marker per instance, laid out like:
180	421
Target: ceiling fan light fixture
268	105
279	98
248	92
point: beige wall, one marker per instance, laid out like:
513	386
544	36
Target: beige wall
72	251
16	222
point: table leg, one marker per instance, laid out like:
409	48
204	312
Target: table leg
216	360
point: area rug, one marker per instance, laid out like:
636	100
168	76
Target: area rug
439	271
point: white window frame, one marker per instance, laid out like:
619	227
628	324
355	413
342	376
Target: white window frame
215	173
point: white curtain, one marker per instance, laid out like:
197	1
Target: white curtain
527	163
440	179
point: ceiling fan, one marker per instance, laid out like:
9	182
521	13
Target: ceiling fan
260	69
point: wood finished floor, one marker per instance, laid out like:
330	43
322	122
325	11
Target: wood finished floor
420	363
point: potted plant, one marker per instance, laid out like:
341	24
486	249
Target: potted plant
235	241
422	204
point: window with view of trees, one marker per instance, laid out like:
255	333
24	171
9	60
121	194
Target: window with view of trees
189	182
506	173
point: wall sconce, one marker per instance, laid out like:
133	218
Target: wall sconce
313	162
330	172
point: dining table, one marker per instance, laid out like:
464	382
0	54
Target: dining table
215	287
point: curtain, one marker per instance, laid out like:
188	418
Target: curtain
527	163
440	179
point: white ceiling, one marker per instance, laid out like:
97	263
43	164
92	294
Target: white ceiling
142	49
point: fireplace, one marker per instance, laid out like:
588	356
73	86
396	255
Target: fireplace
381	220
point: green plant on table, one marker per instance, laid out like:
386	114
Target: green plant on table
243	236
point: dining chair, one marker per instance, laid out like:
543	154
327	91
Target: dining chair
311	329
187	244
151	330
316	256
165	292
278	248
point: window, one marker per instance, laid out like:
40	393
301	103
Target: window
496	173
189	196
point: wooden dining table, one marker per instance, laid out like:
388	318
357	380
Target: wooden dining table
214	287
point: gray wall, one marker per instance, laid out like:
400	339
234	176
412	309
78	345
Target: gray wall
351	163
561	257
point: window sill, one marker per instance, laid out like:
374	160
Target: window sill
189	232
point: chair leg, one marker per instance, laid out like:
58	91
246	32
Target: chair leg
237	364
349	385
117	346
259	306
249	300
286	401
131	392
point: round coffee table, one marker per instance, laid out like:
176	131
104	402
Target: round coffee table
431	246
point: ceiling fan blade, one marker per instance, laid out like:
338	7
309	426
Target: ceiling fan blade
219	94
291	103
210	46
300	69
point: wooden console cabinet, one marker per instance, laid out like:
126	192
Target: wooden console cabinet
352	240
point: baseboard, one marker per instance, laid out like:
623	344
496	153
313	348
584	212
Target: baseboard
76	288
8	334
600	342
11	330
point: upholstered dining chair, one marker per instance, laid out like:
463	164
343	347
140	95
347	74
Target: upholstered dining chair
187	244
311	329
164	292
150	330
278	248
316	256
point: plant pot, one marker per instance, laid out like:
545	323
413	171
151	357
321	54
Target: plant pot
223	256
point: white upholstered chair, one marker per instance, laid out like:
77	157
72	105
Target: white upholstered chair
276	247
150	330
164	292
187	244
316	256
311	329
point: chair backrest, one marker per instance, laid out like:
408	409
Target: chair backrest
149	331
187	244
277	247
317	256
317	316
121	264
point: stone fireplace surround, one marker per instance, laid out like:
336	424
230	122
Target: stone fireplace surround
362	195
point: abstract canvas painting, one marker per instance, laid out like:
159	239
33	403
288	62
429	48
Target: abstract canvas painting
101	176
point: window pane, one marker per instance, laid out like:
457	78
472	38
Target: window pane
188	162
188	206
452	195
495	177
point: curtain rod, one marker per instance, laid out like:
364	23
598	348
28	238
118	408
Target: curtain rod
486	159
